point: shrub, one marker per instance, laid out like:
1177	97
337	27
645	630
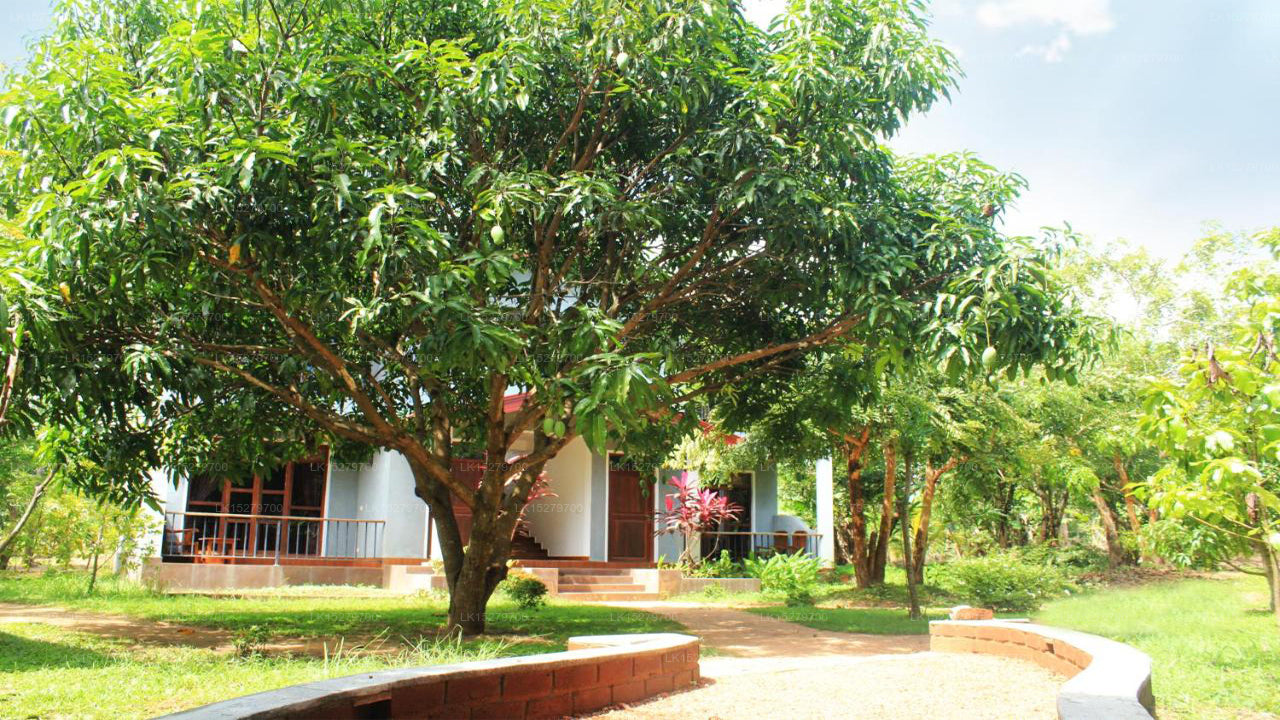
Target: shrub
1078	558
793	577
714	591
1187	544
722	567
527	590
1002	582
249	641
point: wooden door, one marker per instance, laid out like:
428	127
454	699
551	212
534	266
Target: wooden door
630	516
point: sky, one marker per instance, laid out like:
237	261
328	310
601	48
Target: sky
1134	119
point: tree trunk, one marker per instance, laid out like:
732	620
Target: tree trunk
97	550
1130	502
931	475
26	515
1267	556
1116	555
1006	492
913	598
472	571
844	544
1048	514
855	447
881	556
1131	510
469	593
1273	578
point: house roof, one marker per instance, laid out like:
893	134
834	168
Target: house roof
513	402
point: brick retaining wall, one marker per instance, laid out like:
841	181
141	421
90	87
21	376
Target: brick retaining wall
596	672
1107	680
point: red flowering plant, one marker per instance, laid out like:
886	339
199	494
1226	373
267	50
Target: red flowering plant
690	510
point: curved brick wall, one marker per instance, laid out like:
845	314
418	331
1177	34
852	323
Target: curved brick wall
596	671
1108	680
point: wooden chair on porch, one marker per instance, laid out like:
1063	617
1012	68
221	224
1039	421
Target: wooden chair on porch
791	544
180	541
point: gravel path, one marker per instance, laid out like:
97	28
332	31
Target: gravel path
767	668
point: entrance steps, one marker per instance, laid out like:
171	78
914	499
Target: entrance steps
601	584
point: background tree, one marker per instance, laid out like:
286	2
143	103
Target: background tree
23	484
911	385
1218	424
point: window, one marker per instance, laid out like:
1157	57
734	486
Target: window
295	489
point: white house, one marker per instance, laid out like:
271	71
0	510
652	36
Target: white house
326	520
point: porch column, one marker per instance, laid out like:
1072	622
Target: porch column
826	512
171	491
599	508
695	480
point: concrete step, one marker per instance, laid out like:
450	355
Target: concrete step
581	563
608	596
595	571
585	579
601	587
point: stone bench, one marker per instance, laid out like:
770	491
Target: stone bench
1107	680
596	672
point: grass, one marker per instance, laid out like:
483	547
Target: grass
320	612
842	607
48	671
1214	646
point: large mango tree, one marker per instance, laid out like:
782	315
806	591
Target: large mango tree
267	223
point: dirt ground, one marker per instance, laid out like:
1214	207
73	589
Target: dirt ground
154	632
744	634
762	667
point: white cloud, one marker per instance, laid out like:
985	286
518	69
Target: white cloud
1080	17
1052	51
1069	17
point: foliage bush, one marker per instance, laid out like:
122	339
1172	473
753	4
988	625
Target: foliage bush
1187	544
793	577
1002	582
526	590
714	591
1073	558
721	567
250	641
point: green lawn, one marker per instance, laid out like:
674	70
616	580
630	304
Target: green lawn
51	672
842	607
1215	648
55	672
324	612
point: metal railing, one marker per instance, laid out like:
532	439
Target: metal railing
228	536
742	544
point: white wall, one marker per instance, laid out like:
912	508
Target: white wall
171	499
562	523
826	511
386	492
